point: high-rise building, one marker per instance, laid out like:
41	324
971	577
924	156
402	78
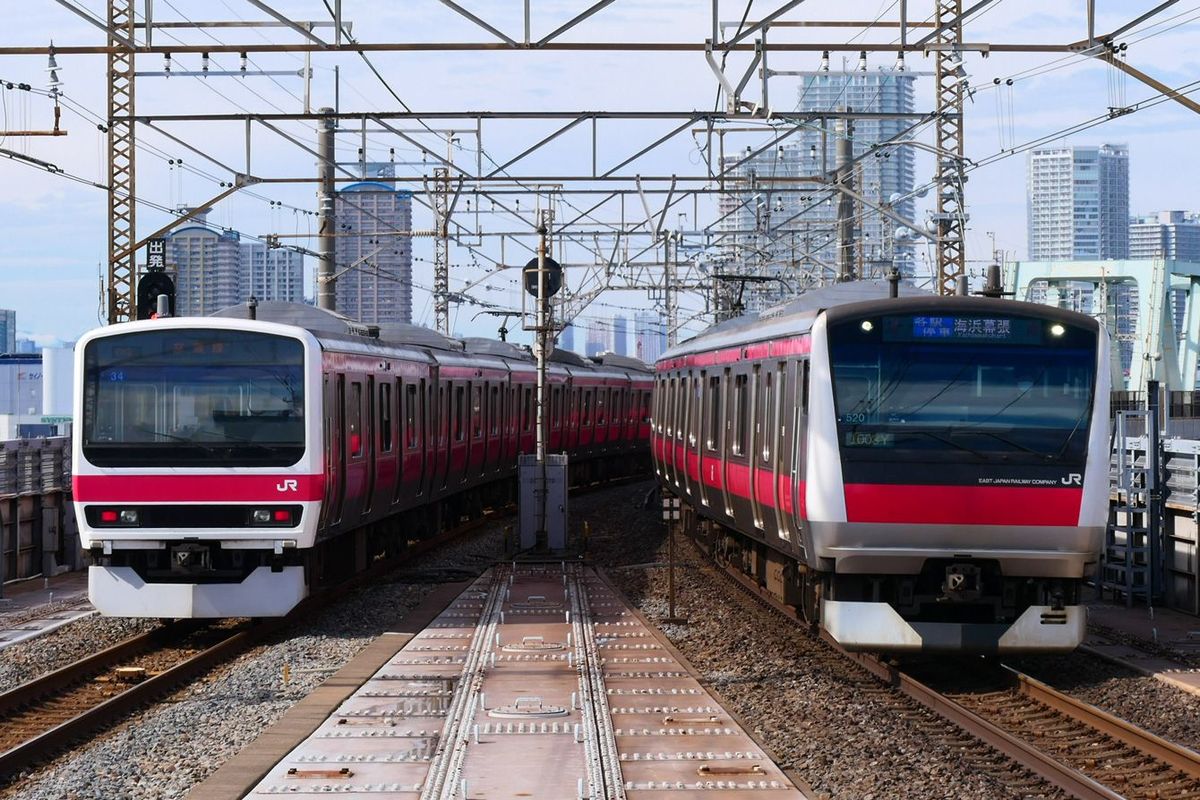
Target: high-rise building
778	227
1078	203
206	267
597	338
1169	235
620	331
374	253
650	331
8	331
268	273
566	339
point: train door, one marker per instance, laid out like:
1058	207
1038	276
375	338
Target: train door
756	435
369	436
800	449
329	425
669	422
444	430
474	460
496	428
706	436
457	411
682	426
406	481
780	453
726	442
421	429
339	428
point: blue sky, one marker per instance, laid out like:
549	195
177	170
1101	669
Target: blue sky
52	231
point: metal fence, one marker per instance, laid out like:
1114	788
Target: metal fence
38	535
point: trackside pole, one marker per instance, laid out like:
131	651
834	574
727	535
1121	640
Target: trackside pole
671	516
543	477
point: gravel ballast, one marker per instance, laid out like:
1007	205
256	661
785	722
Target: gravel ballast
836	727
165	750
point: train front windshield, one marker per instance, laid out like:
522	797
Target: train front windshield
963	389
181	397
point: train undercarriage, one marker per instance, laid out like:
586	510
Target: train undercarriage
953	604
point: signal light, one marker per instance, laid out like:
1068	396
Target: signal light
283	516
108	516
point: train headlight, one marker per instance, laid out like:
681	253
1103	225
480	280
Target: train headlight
1057	330
262	516
129	516
867	326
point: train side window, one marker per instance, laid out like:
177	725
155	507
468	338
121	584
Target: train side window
646	412
354	419
494	410
410	417
683	409
781	421
768	414
600	397
477	411
460	407
804	386
739	415
587	408
385	417
713	439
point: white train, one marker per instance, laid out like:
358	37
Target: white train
916	473
223	466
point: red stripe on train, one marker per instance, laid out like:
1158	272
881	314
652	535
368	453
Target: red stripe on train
197	488
962	505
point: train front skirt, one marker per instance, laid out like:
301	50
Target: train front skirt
120	592
876	627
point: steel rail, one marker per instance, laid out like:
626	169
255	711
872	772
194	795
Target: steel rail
102	715
119	706
1181	758
59	737
1045	766
1026	755
31	691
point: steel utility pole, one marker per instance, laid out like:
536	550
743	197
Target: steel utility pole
122	151
441	252
950	89
845	208
326	277
670	291
541	351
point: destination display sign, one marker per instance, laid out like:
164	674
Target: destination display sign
925	328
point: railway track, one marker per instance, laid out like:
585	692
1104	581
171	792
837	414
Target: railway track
50	713
46	714
1055	739
1128	760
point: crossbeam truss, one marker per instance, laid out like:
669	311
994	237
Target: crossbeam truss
624	222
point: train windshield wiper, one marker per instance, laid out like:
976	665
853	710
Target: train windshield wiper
946	440
1010	442
176	438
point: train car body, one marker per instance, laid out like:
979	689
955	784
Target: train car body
224	465
917	473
